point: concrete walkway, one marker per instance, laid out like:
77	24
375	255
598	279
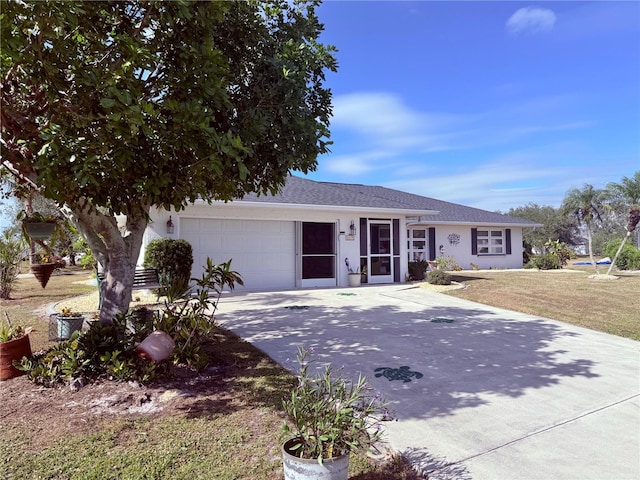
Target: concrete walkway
487	393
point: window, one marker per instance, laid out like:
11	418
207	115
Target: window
490	242
318	250
417	244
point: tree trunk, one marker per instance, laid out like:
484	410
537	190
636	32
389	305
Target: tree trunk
593	261
116	251
615	258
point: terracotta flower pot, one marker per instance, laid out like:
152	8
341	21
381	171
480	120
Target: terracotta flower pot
10	351
43	271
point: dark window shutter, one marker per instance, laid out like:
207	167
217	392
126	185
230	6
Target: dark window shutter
474	241
396	237
432	243
363	237
507	239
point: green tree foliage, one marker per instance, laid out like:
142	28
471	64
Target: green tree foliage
172	258
626	196
586	205
628	255
114	107
12	250
556	226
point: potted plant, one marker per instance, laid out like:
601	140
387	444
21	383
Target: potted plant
69	322
355	276
38	226
328	417
14	344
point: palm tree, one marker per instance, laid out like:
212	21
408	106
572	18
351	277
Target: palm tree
626	193
586	205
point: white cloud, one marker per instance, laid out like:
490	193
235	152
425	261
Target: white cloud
532	20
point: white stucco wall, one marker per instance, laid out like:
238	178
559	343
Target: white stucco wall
346	247
462	251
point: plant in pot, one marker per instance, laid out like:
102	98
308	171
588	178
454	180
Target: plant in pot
37	226
69	322
328	417
355	275
14	344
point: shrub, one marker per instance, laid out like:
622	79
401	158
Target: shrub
439	277
172	258
418	270
629	258
104	351
11	252
560	250
546	261
448	263
86	260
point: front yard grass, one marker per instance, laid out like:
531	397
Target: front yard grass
611	306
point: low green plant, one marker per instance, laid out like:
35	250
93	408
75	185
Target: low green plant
103	351
329	416
560	250
438	277
545	261
448	263
418	269
189	315
629	258
9	332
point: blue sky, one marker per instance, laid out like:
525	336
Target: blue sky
488	104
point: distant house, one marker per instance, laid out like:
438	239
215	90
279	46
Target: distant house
301	237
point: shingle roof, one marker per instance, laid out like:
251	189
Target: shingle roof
302	191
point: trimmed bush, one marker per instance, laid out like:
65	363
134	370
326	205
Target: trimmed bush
172	258
439	277
546	261
629	258
418	269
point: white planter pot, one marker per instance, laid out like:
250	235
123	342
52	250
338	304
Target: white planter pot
355	279
156	347
68	325
309	469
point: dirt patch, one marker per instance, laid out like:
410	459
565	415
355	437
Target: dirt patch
45	415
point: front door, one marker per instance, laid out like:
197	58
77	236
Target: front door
380	252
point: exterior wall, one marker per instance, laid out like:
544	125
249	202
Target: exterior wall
462	251
346	246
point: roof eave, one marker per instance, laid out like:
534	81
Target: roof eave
337	208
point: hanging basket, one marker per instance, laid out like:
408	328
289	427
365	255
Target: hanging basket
39	230
43	271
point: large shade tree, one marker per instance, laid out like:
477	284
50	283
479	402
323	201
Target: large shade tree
586	205
114	107
555	225
626	195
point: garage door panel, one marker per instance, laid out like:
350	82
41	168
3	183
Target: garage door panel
263	252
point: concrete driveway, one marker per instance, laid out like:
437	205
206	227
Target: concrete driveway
485	393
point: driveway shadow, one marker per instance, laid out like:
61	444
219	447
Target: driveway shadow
455	356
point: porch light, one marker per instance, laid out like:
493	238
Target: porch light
352	228
170	227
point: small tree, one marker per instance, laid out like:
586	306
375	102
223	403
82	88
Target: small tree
116	107
586	207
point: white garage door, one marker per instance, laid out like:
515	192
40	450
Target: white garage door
263	252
